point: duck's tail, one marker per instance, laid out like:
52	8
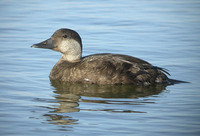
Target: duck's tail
174	81
170	81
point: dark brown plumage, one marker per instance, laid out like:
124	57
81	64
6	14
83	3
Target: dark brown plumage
108	69
98	68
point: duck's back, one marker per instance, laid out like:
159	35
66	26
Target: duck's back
108	69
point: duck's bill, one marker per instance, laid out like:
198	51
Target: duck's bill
47	44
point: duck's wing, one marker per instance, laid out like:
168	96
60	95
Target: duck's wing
116	68
162	70
145	64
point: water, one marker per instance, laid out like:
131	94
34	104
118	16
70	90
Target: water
165	33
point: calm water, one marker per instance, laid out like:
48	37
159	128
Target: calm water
165	33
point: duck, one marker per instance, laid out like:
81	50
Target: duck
104	68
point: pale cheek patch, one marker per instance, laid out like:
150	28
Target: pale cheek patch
64	46
70	46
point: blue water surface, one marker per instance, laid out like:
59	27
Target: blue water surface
164	33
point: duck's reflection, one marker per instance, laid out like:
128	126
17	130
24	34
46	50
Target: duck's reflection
68	96
74	91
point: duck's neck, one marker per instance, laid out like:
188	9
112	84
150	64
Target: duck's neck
71	57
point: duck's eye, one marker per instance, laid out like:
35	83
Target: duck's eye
64	36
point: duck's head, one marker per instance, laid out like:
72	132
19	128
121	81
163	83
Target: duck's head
66	41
